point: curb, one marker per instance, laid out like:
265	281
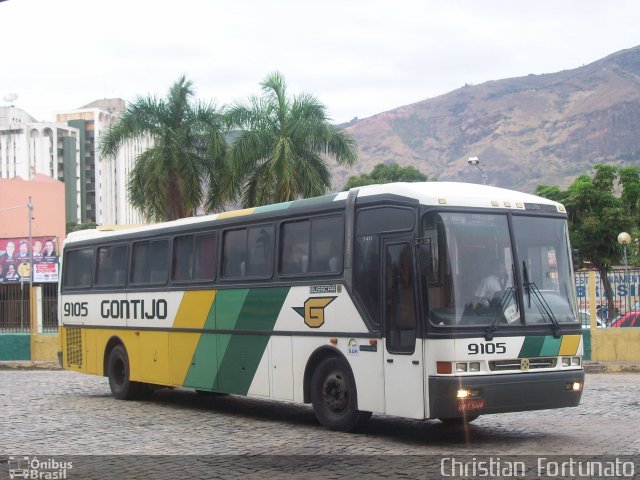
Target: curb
30	365
611	367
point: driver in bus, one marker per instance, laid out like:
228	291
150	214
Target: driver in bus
489	286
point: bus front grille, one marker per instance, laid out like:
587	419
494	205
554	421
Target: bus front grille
74	346
517	364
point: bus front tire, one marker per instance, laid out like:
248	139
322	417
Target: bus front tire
121	386
334	397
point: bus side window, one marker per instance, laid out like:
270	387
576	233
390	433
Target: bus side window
312	246
370	224
182	268
140	262
78	268
327	240
234	253
294	254
159	261
205	256
260	261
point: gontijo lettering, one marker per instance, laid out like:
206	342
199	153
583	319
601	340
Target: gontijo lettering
134	309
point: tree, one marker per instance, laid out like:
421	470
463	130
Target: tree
596	216
75	226
184	167
383	173
279	153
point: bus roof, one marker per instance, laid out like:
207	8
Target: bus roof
451	194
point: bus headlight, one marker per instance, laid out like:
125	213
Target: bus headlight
566	361
575	361
461	367
474	367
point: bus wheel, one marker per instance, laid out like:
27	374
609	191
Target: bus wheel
458	420
121	387
334	398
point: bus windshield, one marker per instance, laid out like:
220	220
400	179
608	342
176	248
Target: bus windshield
470	274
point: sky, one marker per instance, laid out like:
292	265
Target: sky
358	57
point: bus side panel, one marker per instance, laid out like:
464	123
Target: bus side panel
366	365
149	357
91	356
199	353
281	354
194	359
241	356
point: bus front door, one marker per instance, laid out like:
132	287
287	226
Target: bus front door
403	369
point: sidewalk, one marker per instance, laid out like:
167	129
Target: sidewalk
589	366
29	365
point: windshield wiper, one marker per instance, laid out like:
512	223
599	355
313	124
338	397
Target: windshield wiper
504	300
544	308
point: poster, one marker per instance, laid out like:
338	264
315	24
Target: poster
18	256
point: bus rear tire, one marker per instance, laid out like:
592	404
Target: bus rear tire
121	386
334	396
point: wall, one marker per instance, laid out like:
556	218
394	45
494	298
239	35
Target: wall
611	344
47	198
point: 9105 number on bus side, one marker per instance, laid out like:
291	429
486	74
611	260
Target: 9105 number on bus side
75	309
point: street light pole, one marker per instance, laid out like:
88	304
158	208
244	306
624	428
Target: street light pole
624	239
30	208
474	161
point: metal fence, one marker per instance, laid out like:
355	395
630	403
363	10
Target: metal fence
15	308
15	312
50	307
625	289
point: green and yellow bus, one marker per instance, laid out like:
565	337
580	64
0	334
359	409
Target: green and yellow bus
422	300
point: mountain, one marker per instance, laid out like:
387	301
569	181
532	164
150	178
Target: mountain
538	129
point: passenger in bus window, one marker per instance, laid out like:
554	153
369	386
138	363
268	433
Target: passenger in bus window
490	285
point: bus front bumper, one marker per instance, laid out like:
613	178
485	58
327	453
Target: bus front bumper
503	393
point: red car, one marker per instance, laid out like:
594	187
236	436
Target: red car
629	319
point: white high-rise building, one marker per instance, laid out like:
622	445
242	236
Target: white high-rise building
105	198
29	147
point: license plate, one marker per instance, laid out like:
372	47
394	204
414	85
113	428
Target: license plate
470	405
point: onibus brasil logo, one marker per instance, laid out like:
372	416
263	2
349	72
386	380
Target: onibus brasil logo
34	468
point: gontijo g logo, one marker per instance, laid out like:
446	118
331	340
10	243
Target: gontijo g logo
313	310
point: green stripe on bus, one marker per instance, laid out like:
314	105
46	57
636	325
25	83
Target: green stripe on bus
203	368
228	304
243	353
306	202
550	347
272	208
531	347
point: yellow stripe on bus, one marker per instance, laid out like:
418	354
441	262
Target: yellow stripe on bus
192	313
235	213
569	345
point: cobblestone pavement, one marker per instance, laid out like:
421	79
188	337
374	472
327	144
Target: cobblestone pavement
48	413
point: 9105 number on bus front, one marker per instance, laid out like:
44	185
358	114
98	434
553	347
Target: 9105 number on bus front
488	348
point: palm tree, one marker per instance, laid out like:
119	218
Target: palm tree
279	153
183	168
